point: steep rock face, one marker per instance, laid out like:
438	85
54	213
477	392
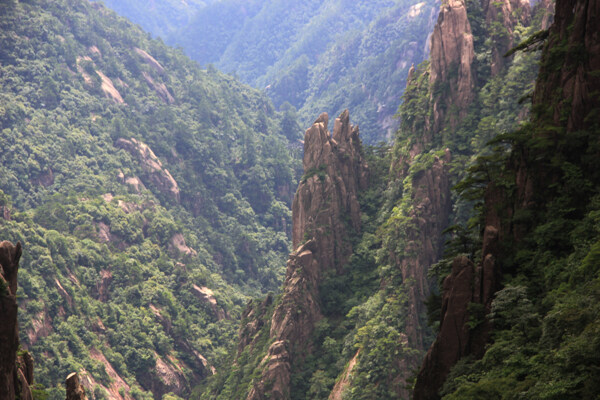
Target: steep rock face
575	30
431	208
16	372
425	219
563	103
453	66
334	173
448	88
414	237
165	377
253	319
340	386
152	166
75	390
451	56
463	330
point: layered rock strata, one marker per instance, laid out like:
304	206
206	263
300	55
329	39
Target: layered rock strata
325	212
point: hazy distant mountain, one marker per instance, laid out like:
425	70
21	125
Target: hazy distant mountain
318	55
159	17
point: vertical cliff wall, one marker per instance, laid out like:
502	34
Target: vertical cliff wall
530	191
16	370
447	105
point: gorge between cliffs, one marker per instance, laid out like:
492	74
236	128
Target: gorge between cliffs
154	248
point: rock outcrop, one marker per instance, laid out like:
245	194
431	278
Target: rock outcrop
206	296
334	173
5	212
165	377
75	390
149	60
160	88
453	74
16	371
156	174
451	57
454	338
178	246
563	103
428	216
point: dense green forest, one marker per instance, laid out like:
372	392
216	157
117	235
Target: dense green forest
315	55
152	198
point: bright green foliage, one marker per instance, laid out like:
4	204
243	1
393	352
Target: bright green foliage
221	141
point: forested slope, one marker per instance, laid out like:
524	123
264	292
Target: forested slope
159	17
316	55
151	197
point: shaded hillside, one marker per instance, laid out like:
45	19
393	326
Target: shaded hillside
152	197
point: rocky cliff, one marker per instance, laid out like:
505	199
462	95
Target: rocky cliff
454	67
451	59
74	388
325	213
467	297
16	368
439	107
564	107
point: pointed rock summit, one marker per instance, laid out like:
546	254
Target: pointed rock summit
326	213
